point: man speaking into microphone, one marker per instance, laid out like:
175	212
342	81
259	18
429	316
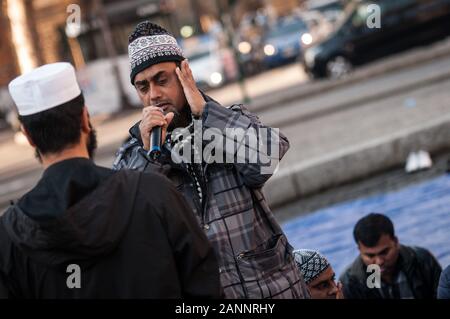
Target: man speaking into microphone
255	258
156	132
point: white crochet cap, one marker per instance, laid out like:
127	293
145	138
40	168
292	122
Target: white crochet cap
44	88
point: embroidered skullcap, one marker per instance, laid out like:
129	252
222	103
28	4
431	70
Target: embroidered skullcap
310	263
150	44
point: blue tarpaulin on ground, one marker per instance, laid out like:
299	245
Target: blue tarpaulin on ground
420	213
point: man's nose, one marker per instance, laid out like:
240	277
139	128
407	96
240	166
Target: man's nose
333	290
155	93
379	260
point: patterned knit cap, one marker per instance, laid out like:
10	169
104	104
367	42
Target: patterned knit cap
310	263
150	44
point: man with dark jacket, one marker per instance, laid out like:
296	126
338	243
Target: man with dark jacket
385	269
255	258
89	232
444	284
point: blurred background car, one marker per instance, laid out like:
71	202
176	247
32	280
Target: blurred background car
205	60
404	24
284	41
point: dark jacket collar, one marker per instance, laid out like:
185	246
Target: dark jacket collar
77	211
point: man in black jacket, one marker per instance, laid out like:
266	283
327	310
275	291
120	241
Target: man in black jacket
89	232
385	269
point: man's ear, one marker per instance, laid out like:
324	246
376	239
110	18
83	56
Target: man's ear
24	132
395	240
85	127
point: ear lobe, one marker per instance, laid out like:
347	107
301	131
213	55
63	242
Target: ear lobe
24	132
85	127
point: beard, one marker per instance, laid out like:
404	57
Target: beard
91	143
181	118
38	155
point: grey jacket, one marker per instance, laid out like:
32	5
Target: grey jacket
254	255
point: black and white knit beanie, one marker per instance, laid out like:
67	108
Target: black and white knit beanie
310	263
150	44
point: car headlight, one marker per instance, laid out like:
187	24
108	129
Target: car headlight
269	50
216	78
307	39
244	47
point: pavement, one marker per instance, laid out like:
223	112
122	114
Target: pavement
353	132
339	131
387	181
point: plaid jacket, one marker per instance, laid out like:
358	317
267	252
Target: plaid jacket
254	255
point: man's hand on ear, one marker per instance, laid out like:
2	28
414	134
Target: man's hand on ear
193	95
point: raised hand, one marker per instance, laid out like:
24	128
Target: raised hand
193	95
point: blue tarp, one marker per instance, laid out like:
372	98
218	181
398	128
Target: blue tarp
420	213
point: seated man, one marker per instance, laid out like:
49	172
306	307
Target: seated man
444	284
85	231
318	274
404	272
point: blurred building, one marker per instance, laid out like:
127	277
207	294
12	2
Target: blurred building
8	59
40	36
35	32
40	30
284	7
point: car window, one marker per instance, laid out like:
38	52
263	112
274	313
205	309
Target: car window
361	15
387	6
345	17
198	55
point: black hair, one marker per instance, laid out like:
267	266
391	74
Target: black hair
55	129
370	228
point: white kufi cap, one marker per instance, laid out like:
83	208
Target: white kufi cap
44	88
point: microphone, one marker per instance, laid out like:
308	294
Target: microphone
155	143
